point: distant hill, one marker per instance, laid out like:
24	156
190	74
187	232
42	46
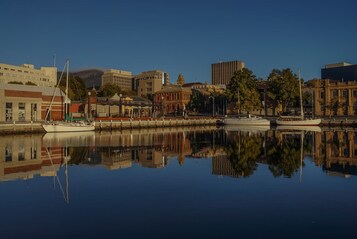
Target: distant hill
91	77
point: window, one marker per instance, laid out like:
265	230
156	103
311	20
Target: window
345	93
8	153
8	112
21	111
355	93
34	112
334	93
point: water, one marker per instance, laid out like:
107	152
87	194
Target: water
179	183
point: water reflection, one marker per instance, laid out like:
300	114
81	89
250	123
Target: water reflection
235	153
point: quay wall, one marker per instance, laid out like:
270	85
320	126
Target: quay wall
35	127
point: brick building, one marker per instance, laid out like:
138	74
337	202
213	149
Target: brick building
29	103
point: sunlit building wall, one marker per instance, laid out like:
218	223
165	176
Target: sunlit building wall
122	79
45	76
222	72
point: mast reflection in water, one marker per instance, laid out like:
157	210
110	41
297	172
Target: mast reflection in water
208	182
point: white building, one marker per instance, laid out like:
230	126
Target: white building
45	76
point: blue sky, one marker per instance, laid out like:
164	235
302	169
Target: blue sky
180	36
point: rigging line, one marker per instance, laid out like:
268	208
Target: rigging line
54	91
59	182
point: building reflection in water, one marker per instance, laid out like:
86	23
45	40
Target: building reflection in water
235	154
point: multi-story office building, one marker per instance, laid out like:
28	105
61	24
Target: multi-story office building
26	73
120	78
149	82
340	72
222	72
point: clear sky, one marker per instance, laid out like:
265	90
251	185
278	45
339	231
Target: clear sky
184	36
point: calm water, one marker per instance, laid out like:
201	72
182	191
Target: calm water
180	183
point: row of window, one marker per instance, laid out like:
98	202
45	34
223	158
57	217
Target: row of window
21	111
334	93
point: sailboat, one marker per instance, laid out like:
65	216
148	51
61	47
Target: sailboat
246	121
298	120
66	126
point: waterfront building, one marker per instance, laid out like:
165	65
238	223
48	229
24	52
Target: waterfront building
29	103
122	79
172	100
333	98
116	106
148	82
27	74
339	72
222	72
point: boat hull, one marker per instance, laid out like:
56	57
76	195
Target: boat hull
52	128
246	121
305	122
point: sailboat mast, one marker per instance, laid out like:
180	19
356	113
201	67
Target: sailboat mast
66	102
301	107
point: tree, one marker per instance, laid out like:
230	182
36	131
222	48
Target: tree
108	90
30	83
76	88
243	91
283	88
15	82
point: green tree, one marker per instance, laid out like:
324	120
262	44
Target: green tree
283	88
108	90
243	91
15	82
30	83
76	88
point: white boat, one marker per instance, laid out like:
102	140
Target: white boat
298	120
246	121
66	126
79	126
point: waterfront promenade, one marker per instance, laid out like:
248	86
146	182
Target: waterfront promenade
138	123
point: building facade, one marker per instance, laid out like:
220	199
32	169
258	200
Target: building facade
172	100
26	73
149	82
29	103
331	98
222	72
340	72
122	79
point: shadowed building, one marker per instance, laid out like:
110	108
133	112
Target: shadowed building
340	72
222	72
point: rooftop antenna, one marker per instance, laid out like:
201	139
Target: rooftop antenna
54	60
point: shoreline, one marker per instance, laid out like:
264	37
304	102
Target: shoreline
122	124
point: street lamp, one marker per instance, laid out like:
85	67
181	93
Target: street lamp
89	106
212	105
163	106
120	95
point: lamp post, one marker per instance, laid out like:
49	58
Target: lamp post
89	106
163	106
212	105
120	96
